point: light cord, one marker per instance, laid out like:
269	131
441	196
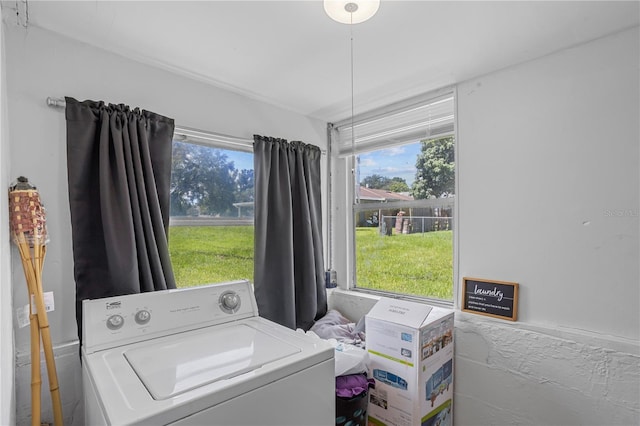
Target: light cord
353	137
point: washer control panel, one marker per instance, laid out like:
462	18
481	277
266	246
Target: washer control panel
119	320
230	302
143	316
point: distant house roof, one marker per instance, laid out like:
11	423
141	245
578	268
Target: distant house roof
380	195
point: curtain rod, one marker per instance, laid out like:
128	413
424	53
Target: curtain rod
186	133
56	102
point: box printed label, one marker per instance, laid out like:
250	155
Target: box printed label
390	379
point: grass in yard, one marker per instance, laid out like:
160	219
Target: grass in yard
211	254
418	264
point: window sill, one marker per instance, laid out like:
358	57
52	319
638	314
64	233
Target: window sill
355	303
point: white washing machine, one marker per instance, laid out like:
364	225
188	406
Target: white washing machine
201	356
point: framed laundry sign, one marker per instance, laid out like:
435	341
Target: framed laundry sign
498	299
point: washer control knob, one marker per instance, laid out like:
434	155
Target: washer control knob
115	322
229	302
143	317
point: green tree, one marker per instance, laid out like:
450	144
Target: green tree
398	184
394	184
375	181
202	178
435	169
244	185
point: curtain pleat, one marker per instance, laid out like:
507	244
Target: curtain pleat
119	169
289	265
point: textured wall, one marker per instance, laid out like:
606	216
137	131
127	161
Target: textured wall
507	374
518	374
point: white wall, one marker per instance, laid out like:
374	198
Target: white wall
7	400
548	196
547	152
42	64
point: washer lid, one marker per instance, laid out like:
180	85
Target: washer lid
182	363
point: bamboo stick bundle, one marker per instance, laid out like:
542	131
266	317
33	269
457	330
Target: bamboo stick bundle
36	375
29	233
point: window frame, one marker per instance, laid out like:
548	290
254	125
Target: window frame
214	141
346	170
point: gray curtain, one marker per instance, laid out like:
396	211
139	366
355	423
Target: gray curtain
119	170
289	264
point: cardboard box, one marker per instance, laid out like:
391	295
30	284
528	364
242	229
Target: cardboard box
410	349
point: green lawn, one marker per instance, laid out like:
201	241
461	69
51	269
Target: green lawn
210	254
419	264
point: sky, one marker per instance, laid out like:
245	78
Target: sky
241	160
399	161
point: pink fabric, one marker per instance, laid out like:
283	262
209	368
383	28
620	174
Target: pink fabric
352	385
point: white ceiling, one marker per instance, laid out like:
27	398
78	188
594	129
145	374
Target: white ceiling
289	53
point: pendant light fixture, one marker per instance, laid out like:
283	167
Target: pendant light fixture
351	12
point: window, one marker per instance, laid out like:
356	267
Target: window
404	197
211	216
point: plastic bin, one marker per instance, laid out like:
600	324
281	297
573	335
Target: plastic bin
352	398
